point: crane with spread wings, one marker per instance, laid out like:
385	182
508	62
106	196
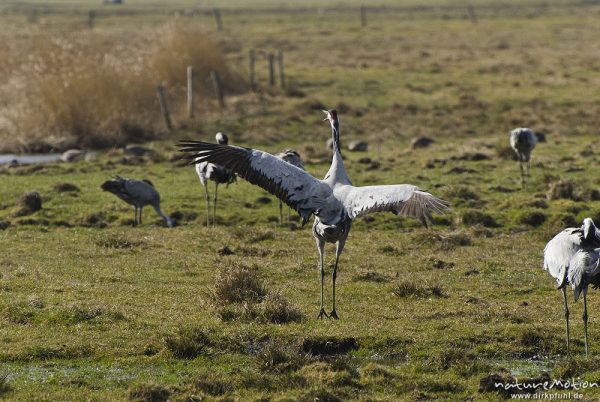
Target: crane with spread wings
334	201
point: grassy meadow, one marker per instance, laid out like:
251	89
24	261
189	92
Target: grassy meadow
94	309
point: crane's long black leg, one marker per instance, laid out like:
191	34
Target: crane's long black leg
140	220
338	251
522	169
585	320
564	291
215	204
135	215
320	247
207	204
280	212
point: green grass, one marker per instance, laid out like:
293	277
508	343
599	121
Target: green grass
92	308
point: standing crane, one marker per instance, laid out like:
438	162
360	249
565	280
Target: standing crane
292	157
138	193
572	257
334	201
522	141
220	175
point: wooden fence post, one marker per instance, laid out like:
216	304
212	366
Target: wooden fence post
281	73
91	18
271	59
472	15
190	91
164	109
363	16
251	59
217	14
218	86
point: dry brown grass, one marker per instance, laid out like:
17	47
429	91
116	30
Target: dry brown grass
93	90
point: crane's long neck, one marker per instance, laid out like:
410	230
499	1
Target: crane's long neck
337	172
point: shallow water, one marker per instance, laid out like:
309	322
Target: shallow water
28	159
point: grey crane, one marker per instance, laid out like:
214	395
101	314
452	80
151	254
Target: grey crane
572	257
138	193
292	157
522	141
334	201
218	174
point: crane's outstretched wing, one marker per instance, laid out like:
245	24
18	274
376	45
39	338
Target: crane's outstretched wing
559	251
582	268
401	199
292	185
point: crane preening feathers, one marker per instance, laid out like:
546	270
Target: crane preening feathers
571	257
334	201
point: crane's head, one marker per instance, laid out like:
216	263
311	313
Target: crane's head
222	138
589	231
331	115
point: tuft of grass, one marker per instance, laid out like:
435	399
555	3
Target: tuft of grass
276	309
66	188
4	384
417	290
28	203
531	217
370	276
277	356
211	383
238	283
188	343
474	217
443	242
45	352
149	392
18	314
119	241
563	189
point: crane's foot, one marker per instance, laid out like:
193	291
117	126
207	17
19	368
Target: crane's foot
322	314
333	315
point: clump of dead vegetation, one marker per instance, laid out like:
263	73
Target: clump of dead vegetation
418	290
92	89
563	189
240	293
149	391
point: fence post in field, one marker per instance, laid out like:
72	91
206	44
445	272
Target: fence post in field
91	18
164	109
217	14
190	91
271	60
251	59
32	16
280	63
472	15
218	86
363	16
